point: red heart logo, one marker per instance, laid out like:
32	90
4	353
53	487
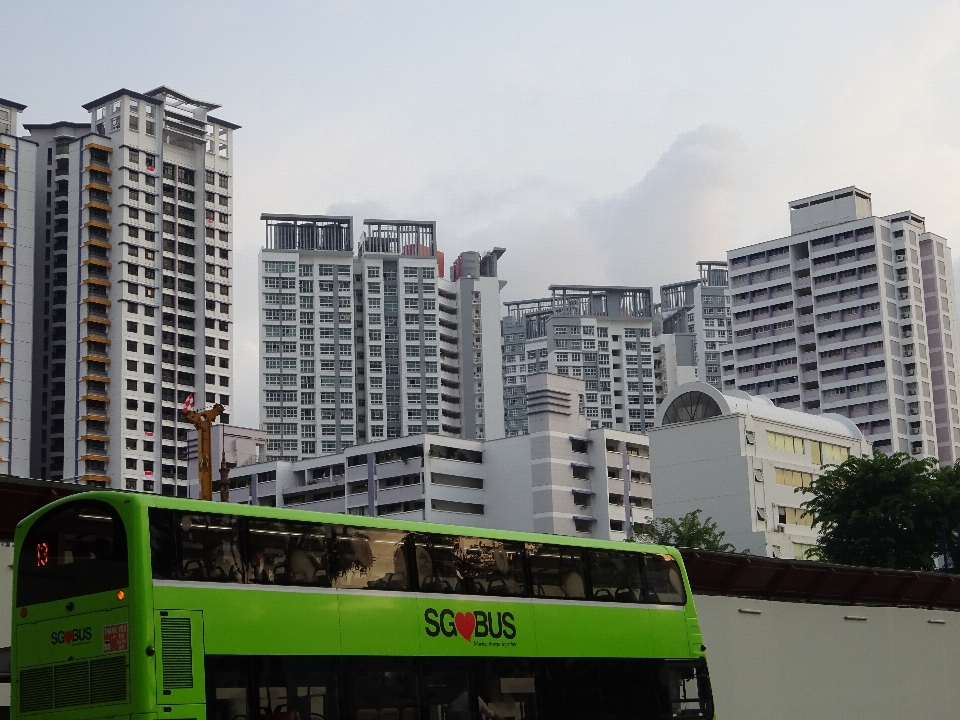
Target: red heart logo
465	623
68	636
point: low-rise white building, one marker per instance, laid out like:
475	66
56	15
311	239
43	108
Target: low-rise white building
739	459
563	477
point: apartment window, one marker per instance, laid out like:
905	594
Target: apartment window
793	516
827	453
793	478
789	443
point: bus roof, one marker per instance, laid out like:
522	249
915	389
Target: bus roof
116	498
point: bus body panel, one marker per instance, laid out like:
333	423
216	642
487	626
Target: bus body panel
250	620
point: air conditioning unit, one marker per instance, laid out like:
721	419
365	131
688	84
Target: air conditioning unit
780	529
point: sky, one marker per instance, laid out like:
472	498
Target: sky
597	142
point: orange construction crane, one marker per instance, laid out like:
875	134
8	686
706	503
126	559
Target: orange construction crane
203	422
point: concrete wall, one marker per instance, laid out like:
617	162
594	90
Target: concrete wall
796	661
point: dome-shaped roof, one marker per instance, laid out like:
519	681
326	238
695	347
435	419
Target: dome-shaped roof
695	401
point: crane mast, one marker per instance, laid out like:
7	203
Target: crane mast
203	422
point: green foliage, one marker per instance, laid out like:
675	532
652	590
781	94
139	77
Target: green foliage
689	531
887	511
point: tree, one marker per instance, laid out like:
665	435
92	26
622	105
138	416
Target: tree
890	511
689	531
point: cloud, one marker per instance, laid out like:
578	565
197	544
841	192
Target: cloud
683	210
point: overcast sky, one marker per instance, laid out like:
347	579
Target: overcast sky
597	142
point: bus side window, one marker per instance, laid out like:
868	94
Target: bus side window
370	558
287	553
492	567
438	564
615	576
664	582
163	544
210	548
556	571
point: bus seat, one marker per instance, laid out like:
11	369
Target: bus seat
625	595
366	714
675	582
572	585
193	570
360	547
300	568
409	713
391	713
424	564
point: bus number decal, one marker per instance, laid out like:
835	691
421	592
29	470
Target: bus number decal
469	625
43	554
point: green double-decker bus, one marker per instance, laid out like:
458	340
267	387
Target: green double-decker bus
146	607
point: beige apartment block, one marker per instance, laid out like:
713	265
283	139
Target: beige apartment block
740	459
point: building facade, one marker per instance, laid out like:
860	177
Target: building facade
674	362
561	478
133	298
739	459
700	308
373	346
852	314
602	335
17	199
231	446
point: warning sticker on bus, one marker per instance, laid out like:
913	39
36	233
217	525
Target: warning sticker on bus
115	638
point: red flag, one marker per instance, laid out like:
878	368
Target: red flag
188	404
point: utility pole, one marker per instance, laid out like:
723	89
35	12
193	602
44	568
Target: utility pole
203	422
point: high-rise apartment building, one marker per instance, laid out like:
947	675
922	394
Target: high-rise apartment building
851	314
600	334
132	302
377	345
694	325
17	167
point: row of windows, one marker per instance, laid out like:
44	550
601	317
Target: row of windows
456	688
306	398
229	549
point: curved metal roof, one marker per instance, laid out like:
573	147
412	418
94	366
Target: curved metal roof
736	402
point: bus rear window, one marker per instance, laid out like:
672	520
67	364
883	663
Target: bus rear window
77	549
664	582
